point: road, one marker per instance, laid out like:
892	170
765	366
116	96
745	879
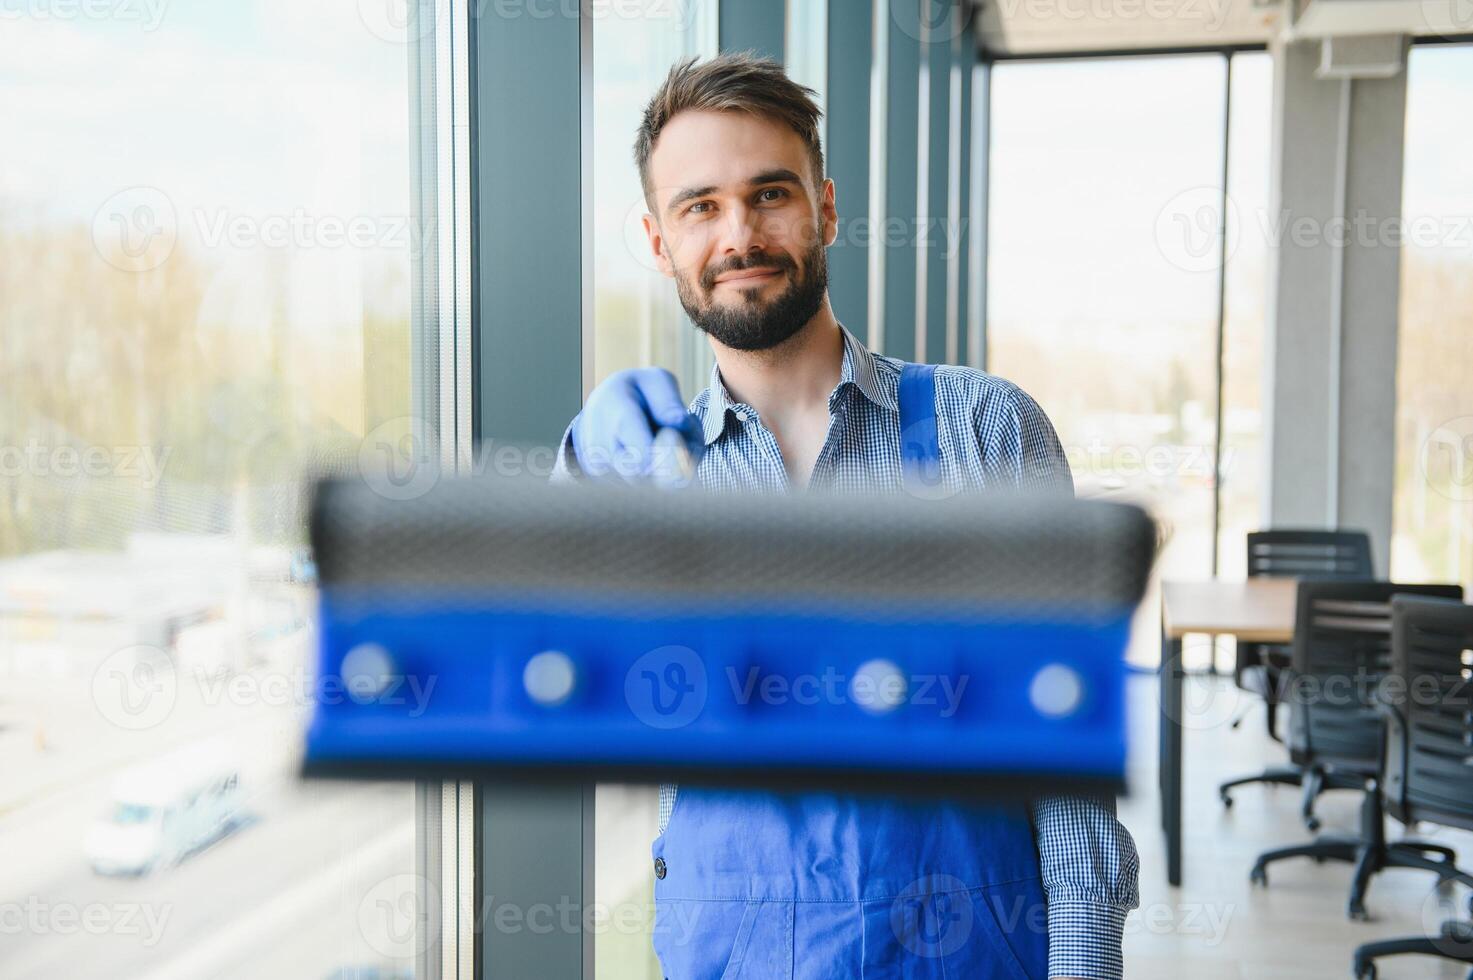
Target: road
319	877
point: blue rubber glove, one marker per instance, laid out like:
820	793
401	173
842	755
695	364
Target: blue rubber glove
635	426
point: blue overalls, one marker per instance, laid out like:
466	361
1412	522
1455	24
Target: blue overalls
759	885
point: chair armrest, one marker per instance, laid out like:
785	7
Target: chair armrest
1393	755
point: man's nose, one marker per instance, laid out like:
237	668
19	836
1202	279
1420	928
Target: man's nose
743	231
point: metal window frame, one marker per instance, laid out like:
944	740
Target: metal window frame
980	181
848	159
939	185
530	127
900	185
441	297
958	182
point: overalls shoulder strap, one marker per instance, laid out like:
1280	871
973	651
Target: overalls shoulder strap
920	453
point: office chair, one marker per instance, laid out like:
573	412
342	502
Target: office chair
1428	739
1259	667
1341	656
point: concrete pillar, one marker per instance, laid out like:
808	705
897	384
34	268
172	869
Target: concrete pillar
1334	281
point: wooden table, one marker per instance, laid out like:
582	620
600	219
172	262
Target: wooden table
1260	610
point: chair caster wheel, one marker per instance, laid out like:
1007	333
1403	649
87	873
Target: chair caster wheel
1258	876
1367	972
1358	913
1313	823
1227	801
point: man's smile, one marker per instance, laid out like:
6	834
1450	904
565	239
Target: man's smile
749	277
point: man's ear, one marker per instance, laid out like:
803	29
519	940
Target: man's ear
829	212
657	245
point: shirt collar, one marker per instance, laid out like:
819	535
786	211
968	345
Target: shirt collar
860	368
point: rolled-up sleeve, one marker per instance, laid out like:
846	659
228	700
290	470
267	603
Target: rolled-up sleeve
1090	879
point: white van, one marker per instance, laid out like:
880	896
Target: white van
165	810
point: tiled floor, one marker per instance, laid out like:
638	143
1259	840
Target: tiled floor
1217	926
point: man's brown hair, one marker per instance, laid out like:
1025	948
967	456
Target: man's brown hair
739	81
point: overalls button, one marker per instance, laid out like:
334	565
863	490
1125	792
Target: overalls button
660	868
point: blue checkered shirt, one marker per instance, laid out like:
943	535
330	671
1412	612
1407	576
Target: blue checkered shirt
991	433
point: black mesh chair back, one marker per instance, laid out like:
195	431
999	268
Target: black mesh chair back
1297	553
1429	764
1342	654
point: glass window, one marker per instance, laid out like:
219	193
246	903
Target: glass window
1102	279
637	318
806	48
205	281
1245	292
637	321
1432	527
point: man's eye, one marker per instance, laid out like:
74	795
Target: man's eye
777	194
697	208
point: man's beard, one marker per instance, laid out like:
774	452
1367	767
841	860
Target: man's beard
749	323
